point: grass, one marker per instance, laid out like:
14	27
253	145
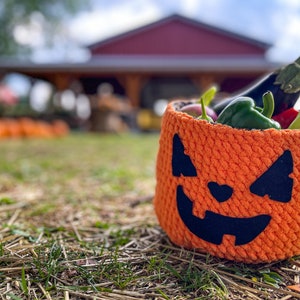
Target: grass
77	222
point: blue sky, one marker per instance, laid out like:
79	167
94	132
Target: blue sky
273	21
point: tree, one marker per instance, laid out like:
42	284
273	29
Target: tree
17	16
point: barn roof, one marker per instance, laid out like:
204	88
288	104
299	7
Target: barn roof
145	64
172	45
179	35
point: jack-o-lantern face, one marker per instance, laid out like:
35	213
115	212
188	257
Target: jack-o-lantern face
275	183
218	191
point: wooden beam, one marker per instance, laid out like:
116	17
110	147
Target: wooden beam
61	81
133	84
205	81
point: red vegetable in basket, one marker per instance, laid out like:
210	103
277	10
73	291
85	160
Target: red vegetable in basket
296	123
286	117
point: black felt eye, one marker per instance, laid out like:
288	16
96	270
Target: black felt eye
181	163
275	182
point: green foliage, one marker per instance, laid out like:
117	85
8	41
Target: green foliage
271	277
48	263
6	201
24	282
121	237
73	239
14	13
13	297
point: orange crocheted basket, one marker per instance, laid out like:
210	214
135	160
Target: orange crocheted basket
233	193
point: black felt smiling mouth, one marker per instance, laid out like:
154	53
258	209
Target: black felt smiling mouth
213	226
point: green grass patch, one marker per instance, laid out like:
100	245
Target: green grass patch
77	222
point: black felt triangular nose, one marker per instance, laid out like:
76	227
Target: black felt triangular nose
220	192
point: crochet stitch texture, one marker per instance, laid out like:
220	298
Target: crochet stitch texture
230	192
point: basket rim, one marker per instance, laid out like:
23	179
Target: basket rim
176	113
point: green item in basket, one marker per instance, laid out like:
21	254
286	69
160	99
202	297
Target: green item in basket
243	113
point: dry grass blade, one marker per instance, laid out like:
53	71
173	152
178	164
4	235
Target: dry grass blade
12	207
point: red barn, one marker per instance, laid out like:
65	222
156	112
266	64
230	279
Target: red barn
173	57
177	35
177	56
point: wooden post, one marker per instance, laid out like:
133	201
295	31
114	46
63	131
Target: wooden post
61	81
132	85
204	82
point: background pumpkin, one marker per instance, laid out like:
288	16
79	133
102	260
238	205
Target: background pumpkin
13	128
60	128
30	128
3	129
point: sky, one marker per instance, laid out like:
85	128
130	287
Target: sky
273	21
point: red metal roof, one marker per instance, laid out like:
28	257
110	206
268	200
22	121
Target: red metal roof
178	35
173	45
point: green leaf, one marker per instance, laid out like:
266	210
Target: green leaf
208	95
271	277
20	232
296	123
1	250
6	201
24	282
289	77
13	296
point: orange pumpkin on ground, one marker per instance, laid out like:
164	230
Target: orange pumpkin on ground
13	128
44	129
60	128
230	192
4	133
28	126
